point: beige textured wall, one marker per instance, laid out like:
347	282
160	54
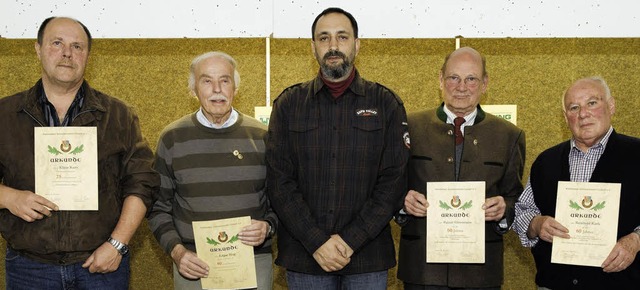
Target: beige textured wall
150	74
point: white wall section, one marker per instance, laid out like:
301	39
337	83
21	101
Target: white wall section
293	18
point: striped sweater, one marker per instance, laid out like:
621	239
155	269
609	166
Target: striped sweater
209	174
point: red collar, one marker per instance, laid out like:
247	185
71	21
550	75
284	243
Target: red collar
338	88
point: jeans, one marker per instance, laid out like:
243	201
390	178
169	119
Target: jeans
25	274
364	281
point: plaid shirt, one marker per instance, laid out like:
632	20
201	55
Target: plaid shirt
337	166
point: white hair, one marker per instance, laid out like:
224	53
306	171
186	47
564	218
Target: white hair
200	58
598	79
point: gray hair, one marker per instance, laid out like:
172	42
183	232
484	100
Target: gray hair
200	58
597	79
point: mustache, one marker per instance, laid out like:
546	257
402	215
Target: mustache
333	53
217	97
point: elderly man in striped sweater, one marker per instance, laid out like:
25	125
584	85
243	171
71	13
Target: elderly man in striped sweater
212	166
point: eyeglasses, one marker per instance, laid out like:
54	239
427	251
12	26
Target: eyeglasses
470	81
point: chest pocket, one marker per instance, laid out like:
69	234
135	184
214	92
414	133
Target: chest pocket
304	134
368	138
367	124
303	126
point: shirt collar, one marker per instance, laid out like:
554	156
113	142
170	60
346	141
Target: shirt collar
468	119
50	114
42	96
205	122
603	142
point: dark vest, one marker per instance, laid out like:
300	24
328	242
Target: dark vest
618	164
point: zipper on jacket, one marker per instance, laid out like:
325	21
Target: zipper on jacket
42	125
82	112
33	117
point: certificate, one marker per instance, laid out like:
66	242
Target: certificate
66	166
590	211
231	263
455	222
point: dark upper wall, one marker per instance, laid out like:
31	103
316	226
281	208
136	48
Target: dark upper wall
151	75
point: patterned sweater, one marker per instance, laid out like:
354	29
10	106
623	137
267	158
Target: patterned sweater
209	174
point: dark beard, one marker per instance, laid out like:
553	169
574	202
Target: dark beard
336	72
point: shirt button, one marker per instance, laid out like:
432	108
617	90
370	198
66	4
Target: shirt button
475	141
450	132
450	159
575	281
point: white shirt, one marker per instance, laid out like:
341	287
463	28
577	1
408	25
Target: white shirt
469	120
205	122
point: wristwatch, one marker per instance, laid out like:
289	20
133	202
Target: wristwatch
121	247
271	231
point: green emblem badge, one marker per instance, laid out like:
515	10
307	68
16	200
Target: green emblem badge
586	204
455	203
222	238
65	147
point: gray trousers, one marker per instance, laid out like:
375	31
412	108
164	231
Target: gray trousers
264	275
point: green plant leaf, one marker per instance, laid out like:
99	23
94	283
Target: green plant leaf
234	238
77	150
467	205
574	205
53	150
599	206
212	242
444	205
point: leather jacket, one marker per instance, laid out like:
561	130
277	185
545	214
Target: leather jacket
124	168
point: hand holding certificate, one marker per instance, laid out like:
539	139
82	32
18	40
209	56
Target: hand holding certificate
455	222
232	265
590	211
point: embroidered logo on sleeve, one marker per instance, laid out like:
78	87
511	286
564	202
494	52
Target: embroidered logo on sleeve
406	139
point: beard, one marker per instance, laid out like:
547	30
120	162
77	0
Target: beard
335	71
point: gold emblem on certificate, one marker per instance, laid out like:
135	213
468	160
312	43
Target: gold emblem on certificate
590	211
66	166
455	222
231	263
